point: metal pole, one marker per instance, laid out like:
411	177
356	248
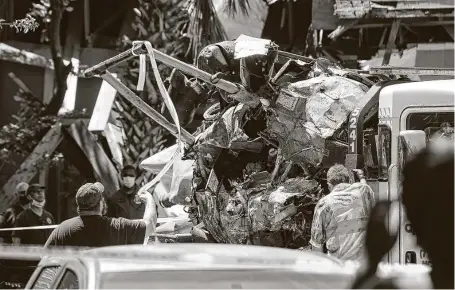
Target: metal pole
295	56
146	109
412	71
100	68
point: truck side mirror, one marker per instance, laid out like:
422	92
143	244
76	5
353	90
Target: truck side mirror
410	142
413	140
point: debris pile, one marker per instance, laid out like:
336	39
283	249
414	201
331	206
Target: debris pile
258	159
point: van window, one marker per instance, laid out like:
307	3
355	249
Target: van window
46	278
69	281
434	124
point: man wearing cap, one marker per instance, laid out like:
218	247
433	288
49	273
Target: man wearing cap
340	218
33	216
10	215
91	229
125	203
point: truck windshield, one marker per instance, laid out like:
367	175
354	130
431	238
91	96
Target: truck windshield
223	279
434	124
384	154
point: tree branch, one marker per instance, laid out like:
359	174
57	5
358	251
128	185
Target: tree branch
61	71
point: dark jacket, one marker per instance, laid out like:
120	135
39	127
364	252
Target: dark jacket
9	218
122	204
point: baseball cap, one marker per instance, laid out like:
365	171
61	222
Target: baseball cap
35	188
128	170
89	195
23	186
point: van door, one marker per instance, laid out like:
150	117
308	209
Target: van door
435	122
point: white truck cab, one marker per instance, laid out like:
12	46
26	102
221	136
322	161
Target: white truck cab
409	115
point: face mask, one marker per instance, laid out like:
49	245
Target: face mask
38	203
23	200
128	181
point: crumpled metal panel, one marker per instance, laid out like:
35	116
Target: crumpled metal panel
219	57
227	130
257	215
309	112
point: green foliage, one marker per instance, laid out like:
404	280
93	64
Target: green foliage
32	119
30	126
43	11
165	25
23	135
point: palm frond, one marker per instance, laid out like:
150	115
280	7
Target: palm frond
205	27
232	7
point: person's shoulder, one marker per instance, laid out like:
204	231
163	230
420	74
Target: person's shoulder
48	217
360	186
351	189
324	203
68	224
24	214
48	214
17	207
71	221
116	196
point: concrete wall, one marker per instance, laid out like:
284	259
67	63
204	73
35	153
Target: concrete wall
439	55
436	55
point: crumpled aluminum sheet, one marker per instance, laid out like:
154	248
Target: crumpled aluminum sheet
227	130
309	112
260	216
219	57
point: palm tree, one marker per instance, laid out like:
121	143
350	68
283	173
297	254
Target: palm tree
179	29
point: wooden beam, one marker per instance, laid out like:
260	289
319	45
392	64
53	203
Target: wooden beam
32	165
354	24
404	22
358	9
102	166
329	56
450	30
111	134
103	106
21	84
28	57
48	87
381	41
341	29
9	53
391	42
410	14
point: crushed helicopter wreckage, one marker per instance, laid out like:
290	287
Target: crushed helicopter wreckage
252	172
255	160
